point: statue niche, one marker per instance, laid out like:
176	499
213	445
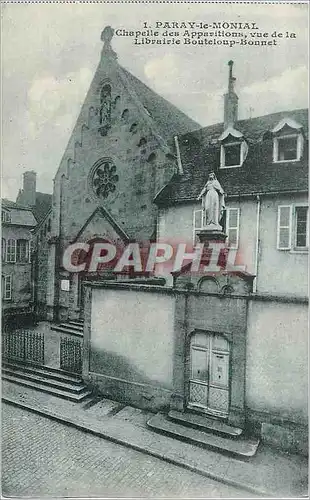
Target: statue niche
213	204
105	109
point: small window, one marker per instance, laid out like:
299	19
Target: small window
301	227
11	251
49	225
125	115
287	148
7	288
3	249
6	216
22	251
232	226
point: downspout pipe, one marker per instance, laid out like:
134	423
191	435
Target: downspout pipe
257	242
177	147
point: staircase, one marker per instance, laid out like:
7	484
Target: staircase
205	432
47	379
71	327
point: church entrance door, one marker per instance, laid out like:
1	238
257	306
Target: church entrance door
209	377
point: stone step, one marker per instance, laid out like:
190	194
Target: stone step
77	322
74	388
65	394
73	326
44	371
68	330
242	447
204	423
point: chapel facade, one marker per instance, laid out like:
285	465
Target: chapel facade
120	154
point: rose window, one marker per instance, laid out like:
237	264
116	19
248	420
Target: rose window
105	179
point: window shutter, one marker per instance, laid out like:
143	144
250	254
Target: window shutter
198	216
232	226
3	249
284	232
197	222
7	287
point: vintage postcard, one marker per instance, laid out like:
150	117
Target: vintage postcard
155	235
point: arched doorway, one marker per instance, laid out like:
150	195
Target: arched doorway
209	374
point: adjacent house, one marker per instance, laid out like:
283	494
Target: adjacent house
18	224
19	220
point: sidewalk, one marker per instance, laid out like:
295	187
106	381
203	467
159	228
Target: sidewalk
269	473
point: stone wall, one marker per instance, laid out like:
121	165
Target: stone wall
137	350
131	346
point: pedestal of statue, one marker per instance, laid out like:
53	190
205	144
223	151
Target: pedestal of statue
210	233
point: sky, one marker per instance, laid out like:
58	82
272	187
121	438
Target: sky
50	53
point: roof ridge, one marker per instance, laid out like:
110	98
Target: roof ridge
243	120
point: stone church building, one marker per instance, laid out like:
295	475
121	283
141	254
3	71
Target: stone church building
230	347
120	154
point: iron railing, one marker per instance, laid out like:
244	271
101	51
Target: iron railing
70	355
23	345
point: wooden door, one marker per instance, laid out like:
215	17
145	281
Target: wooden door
209	388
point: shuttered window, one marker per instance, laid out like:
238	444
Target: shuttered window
232	226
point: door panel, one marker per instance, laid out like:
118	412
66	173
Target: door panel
218	399
219	369
198	394
200	362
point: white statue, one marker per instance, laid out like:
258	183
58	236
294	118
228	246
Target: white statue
213	203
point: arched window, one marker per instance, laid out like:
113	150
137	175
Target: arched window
3	249
105	105
125	115
133	128
11	250
22	251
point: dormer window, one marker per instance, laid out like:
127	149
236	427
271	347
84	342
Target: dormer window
287	141
287	148
233	148
231	155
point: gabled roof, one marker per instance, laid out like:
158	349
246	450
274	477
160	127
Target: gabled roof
169	119
103	212
200	154
21	216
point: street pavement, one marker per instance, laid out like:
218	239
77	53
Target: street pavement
43	457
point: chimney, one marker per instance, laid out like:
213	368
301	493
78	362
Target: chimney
230	100
28	195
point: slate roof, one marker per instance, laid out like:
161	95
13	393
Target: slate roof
20	215
200	154
170	120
